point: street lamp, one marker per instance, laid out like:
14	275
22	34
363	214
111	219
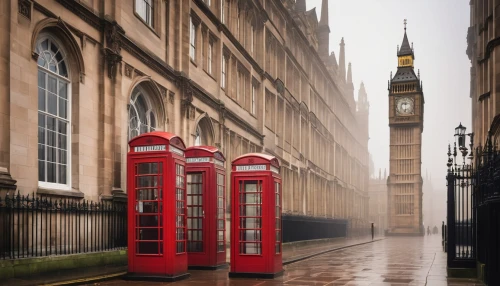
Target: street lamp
460	134
461	138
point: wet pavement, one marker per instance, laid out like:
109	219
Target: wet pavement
392	261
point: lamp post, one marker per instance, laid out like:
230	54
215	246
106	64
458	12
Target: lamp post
460	135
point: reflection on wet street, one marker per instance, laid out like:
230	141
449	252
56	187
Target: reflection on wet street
392	261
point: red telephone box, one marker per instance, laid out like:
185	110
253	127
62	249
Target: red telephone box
256	217
206	200
156	207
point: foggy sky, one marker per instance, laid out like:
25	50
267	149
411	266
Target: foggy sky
372	29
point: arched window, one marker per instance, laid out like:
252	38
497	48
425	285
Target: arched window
203	134
197	137
54	120
141	117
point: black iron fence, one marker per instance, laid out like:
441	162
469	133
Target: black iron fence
33	226
296	228
487	185
472	233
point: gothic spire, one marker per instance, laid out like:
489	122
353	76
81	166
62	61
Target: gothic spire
349	74
323	33
324	14
342	60
405	49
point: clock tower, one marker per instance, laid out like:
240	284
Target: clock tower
406	122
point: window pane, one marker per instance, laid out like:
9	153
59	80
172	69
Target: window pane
62	108
41	170
62	69
63	142
41	152
51	172
63	89
41	99
52	85
62	174
62	156
51	154
51	138
41	135
52	103
51	123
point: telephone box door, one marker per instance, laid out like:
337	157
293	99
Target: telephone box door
148	187
197	225
247	231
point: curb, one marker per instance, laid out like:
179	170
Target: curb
290	261
87	280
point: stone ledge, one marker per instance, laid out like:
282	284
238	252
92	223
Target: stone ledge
26	267
63	193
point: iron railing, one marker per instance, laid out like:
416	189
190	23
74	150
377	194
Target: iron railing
34	226
487	183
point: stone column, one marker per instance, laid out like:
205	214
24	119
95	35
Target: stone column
6	181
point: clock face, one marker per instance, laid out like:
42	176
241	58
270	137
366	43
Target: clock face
404	106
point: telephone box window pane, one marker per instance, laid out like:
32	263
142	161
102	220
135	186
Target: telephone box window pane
250	222
147	221
250	248
148	168
250	210
250	235
147	248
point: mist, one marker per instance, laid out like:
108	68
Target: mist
372	30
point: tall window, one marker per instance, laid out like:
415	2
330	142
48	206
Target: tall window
192	39
141	117
253	99
252	40
54	118
210	56
239	87
223	79
145	10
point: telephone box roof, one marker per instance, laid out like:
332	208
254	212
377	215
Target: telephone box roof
170	137
269	158
210	149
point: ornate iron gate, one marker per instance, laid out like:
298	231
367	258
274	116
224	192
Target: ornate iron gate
460	213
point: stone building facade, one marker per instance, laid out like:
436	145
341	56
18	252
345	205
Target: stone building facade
483	52
80	78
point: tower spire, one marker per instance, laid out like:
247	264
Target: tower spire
323	32
342	59
324	14
406	49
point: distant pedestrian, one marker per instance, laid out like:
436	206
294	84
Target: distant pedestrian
435	230
373	230
428	230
